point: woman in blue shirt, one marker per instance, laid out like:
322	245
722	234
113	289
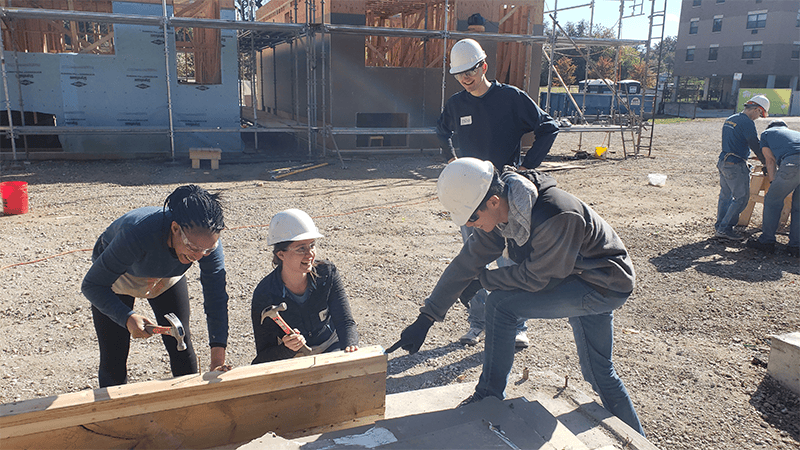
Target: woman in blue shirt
145	254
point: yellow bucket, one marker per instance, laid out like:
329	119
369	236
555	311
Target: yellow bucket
599	151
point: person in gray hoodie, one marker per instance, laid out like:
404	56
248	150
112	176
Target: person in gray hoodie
570	264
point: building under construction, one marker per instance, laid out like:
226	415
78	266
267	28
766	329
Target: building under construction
121	79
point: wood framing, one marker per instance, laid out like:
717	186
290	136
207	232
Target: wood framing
207	410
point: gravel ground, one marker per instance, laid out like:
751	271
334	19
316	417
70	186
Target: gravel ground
692	341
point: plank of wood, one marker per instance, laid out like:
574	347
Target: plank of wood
208	410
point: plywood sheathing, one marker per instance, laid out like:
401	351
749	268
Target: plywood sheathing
208	410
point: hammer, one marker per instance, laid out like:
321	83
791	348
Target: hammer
175	330
273	313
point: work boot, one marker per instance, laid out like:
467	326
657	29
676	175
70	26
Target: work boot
758	245
472	337
470	400
521	340
729	235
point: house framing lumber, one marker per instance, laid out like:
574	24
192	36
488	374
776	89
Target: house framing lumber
207	410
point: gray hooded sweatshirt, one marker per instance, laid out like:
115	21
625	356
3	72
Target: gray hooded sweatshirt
550	234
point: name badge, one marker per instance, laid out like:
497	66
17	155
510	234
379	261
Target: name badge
466	120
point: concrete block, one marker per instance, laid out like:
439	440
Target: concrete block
784	360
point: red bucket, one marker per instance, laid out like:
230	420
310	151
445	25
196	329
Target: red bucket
15	197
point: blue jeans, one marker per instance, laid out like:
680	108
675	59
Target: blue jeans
734	192
591	316
477	304
786	182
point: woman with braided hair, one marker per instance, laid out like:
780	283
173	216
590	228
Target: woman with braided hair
145	254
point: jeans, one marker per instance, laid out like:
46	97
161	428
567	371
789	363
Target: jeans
115	340
591	316
786	182
477	304
734	192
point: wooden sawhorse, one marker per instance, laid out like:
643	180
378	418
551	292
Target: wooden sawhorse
759	183
212	154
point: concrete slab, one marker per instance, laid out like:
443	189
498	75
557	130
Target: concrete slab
546	425
784	360
427	400
475	434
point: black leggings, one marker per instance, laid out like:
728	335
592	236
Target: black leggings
115	340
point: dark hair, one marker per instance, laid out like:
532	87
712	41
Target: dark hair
776	123
498	187
192	206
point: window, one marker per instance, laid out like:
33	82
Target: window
720	1
717	26
712	53
61	36
796	50
693	26
690	54
696	3
798	19
198	50
756	20
751	51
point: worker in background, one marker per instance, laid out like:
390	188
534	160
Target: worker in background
781	147
317	309
145	254
569	263
739	136
489	119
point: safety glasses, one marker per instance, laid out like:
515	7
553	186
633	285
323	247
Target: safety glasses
469	73
195	249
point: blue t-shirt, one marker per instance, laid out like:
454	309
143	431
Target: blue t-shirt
739	136
781	141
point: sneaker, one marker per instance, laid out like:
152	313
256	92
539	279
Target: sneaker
793	251
521	340
729	235
469	400
472	337
758	245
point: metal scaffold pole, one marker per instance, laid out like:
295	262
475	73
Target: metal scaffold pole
7	101
164	25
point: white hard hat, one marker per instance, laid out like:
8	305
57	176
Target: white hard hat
462	185
465	55
291	225
760	100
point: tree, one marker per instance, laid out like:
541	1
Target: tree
566	69
667	46
604	68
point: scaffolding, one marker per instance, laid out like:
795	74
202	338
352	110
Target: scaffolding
253	36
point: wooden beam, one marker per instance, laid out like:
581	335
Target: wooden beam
208	410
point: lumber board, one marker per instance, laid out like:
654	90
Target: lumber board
208	410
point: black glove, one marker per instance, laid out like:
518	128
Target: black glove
472	288
412	338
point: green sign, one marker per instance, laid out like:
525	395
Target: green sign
778	99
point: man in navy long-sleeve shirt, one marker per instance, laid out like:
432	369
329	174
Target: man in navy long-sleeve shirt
489	119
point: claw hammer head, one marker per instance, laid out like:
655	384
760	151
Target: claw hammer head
273	312
175	330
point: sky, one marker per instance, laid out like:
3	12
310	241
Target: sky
606	13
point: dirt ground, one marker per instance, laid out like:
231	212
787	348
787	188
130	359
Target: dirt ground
692	342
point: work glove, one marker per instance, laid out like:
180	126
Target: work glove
412	338
472	288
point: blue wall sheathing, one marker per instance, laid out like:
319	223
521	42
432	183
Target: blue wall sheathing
128	89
